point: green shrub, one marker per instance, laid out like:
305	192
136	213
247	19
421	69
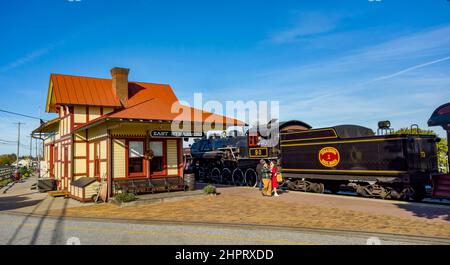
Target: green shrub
125	197
210	189
24	172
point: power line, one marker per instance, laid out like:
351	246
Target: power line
1	140
19	114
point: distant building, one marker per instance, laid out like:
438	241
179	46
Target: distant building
23	163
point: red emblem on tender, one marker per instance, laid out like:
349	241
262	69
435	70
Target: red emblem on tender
329	156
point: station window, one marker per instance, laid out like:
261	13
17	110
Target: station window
135	157
157	163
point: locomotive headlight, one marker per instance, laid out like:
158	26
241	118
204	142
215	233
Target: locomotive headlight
384	124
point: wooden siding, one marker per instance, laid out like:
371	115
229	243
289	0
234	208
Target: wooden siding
136	130
94	113
91	190
118	159
80	114
96	133
172	157
107	110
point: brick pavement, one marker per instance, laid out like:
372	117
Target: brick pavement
238	205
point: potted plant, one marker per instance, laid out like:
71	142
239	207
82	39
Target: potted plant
210	190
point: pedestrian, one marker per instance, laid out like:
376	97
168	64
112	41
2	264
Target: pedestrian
273	170
259	173
266	180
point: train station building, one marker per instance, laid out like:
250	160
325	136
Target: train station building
115	133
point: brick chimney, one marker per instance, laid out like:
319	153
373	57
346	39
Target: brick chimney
120	83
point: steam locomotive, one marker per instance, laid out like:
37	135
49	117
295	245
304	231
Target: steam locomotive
387	165
233	159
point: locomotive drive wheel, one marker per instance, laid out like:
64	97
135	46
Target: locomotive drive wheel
200	176
216	175
238	177
226	176
250	177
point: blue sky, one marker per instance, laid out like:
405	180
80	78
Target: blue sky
327	62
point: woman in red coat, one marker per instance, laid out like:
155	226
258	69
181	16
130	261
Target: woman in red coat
273	169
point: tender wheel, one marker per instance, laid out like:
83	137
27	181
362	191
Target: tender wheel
363	191
321	188
238	177
317	187
292	185
395	195
385	193
250	177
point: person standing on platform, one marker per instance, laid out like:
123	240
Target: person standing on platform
259	173
273	170
266	180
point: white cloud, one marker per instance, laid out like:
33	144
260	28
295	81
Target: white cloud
308	24
33	55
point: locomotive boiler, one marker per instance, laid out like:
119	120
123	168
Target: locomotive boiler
233	159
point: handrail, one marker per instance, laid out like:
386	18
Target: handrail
6	172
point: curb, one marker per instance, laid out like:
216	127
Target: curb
148	201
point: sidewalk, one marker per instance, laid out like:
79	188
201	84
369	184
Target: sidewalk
22	199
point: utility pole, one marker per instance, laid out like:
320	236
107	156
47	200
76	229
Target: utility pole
37	159
31	149
18	145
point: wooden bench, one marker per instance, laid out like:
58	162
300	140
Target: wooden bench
175	183
150	185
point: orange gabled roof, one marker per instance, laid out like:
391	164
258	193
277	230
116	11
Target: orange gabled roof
146	101
90	91
81	90
139	92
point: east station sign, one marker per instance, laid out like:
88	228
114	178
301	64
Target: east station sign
176	134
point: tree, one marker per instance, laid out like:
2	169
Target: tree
442	147
7	159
